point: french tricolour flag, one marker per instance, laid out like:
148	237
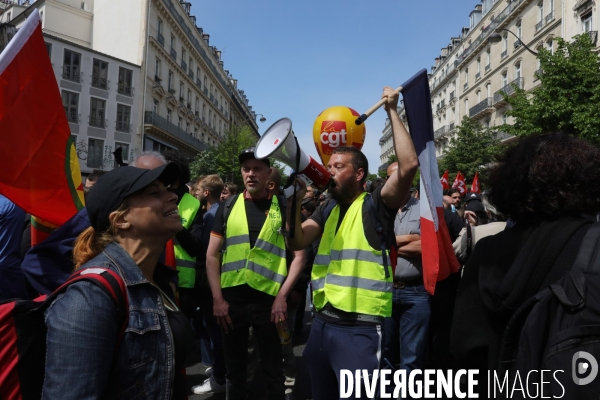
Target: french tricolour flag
439	260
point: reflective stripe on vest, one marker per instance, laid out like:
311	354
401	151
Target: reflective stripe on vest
347	272
186	264
262	267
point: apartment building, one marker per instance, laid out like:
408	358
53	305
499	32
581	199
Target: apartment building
185	99
490	57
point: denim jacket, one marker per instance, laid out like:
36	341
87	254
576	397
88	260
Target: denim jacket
83	330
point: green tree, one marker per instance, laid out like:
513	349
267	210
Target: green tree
472	150
568	96
223	158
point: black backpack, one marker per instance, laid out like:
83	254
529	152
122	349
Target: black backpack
558	330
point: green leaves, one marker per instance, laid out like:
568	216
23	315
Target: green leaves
567	97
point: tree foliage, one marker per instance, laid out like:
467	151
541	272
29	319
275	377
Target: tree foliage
223	158
472	150
568	96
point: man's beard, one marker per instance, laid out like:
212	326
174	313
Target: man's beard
342	192
253	189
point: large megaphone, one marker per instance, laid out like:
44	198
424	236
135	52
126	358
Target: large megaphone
279	142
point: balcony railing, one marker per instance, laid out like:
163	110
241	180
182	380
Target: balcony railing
593	36
123	126
443	103
161	39
537	74
477	75
124	88
518	43
504	54
452	96
509	90
184	65
480	107
539	25
173	54
488	67
72	116
99	82
550	17
502	136
466	86
97	121
439	132
71	73
451	127
171	91
205	91
191	74
152	118
198	83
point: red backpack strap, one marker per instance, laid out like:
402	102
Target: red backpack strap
110	282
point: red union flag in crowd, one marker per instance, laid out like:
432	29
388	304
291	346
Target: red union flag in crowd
459	183
439	260
39	170
475	185
444	181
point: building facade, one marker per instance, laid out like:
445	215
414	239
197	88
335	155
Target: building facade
472	72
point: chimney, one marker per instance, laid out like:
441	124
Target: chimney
221	64
218	53
206	37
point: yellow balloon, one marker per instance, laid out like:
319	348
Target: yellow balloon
335	127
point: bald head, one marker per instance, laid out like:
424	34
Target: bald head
274	182
393	167
148	161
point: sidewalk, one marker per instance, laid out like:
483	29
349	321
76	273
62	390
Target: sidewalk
302	389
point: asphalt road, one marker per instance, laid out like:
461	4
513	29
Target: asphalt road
302	389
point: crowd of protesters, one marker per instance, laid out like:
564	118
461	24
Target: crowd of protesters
221	275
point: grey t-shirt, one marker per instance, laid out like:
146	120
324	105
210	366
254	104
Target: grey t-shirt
408	221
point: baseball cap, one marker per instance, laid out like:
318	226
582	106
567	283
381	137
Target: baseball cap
113	187
474	203
248	154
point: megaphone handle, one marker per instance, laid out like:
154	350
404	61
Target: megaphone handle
292	231
371	110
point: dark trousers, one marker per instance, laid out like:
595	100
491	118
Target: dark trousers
331	348
212	341
257	315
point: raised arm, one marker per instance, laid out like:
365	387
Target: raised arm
395	191
305	233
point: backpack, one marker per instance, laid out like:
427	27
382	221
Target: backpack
558	329
23	333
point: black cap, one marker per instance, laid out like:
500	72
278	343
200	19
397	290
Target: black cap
474	203
113	187
248	154
472	196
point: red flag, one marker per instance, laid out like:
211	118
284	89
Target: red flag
39	170
475	184
459	183
444	181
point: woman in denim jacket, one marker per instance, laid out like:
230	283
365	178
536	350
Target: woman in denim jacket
132	216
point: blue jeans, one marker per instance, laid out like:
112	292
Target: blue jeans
408	328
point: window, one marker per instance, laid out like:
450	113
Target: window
197	106
49	49
586	21
172	42
71	65
504	79
505	42
478	96
159	26
187	127
203	111
517	70
549	46
519	30
210	118
504	118
125	81
179	121
205	82
488	88
71	103
540	6
168	115
8	17
190	65
170	82
155	106
125	151
466	76
157	70
100	74
488	59
95	153
189	98
97	108
123	117
466	105
181	91
198	76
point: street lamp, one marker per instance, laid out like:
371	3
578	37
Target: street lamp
496	38
262	117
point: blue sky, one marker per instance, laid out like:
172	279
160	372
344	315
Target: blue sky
295	58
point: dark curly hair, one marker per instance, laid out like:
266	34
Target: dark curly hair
547	176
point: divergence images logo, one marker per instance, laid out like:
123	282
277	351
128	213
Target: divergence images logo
584	364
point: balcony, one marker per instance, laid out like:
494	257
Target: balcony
452	96
477	76
593	36
71	73
171	91
124	88
509	90
487	68
161	39
482	108
184	65
439	132
157	79
97	121
502	136
173	54
123	126
99	82
152	118
504	54
549	17
451	127
539	26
